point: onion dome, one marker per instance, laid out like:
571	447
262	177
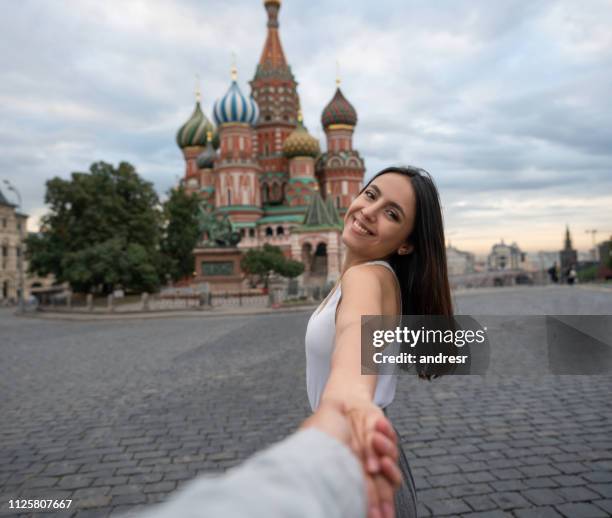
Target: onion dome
339	111
235	107
300	142
194	131
206	159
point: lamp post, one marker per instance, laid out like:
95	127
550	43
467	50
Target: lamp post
11	187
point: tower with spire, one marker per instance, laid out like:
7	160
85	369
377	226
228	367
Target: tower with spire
568	256
262	168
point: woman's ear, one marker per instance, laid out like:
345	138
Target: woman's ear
405	249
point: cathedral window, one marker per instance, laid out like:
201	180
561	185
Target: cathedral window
229	196
251	232
269	231
280	231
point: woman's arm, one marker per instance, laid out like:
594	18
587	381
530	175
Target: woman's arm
363	287
362	294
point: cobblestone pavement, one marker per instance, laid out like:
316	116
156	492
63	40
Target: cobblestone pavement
117	414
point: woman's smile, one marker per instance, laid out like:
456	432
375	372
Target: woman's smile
360	229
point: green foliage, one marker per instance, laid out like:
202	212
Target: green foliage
102	230
264	261
587	274
180	234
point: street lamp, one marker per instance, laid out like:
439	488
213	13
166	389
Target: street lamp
12	188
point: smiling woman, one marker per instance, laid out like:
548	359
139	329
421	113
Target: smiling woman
395	263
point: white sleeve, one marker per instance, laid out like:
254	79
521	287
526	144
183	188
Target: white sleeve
309	474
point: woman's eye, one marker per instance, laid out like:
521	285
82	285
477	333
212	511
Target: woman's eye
392	215
369	194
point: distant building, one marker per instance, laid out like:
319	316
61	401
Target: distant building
12	227
506	257
458	261
568	256
605	259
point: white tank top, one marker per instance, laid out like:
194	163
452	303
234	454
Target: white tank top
320	341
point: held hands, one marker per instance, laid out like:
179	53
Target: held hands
371	437
375	442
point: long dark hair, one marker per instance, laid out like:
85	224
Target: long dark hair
423	274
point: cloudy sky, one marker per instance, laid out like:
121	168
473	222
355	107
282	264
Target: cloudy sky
506	103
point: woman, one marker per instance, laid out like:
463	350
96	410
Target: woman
395	263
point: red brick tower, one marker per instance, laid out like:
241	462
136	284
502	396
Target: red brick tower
274	90
340	170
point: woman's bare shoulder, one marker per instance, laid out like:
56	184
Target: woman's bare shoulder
368	275
368	286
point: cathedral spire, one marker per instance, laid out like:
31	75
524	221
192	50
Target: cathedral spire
568	238
273	57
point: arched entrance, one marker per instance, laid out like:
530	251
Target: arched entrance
318	266
307	257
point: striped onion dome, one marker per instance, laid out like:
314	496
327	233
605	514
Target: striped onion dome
235	107
339	111
193	132
300	142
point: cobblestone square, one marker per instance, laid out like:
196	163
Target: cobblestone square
117	414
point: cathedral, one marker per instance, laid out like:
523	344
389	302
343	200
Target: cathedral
259	165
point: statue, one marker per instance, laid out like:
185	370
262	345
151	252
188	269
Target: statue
215	228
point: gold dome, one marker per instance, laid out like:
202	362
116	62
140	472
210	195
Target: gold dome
301	143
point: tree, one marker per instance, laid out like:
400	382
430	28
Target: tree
181	233
269	259
102	230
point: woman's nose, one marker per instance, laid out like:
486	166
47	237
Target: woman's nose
369	212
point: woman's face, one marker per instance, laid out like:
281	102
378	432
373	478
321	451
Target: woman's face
378	222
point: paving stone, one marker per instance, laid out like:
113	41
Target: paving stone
600	477
604	490
480	502
543	470
506	474
449	507
508	500
537	512
577	494
540	482
469	489
437	469
508	485
606	505
487	514
480	476
569	480
543	496
129	499
160	487
446	480
582	510
570	468
74	482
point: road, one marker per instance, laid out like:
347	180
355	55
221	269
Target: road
115	415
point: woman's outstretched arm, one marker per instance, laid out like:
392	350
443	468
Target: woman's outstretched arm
363	287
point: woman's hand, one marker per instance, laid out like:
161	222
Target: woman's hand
374	441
